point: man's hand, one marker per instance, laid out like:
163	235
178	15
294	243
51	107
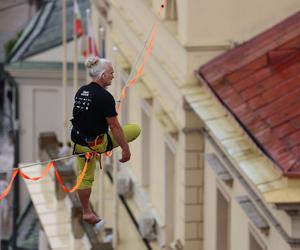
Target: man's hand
125	155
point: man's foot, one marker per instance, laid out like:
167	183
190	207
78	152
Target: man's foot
100	225
91	218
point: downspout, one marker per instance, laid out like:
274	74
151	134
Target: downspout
16	140
16	200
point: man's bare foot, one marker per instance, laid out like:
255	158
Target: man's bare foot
91	218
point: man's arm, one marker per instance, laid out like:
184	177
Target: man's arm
118	134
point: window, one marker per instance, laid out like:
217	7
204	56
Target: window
254	242
169	191
220	170
253	214
223	222
146	121
124	111
171	11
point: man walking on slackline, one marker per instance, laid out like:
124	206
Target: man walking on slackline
93	113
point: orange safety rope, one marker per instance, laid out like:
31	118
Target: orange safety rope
133	81
139	72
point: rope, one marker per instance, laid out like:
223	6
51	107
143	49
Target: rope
131	82
150	38
42	162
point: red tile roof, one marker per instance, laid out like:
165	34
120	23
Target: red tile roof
259	83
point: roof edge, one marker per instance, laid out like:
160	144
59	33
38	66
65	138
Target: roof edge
235	143
205	82
28	65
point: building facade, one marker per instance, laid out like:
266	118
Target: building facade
196	180
170	165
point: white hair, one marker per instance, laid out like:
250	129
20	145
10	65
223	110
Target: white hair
97	66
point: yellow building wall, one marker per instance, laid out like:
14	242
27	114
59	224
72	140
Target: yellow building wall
218	22
240	225
204	29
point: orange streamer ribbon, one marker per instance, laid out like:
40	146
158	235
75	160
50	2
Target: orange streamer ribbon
6	191
44	174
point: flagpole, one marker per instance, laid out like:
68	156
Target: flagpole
101	42
75	63
92	46
115	172
88	14
102	180
64	35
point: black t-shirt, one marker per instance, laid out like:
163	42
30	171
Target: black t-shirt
92	105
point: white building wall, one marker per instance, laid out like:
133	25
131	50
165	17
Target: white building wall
40	111
40	102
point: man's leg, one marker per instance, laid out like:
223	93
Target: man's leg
87	213
84	190
131	132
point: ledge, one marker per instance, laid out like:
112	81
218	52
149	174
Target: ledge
220	170
254	216
241	150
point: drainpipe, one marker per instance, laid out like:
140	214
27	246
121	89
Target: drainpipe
115	167
16	139
16	206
